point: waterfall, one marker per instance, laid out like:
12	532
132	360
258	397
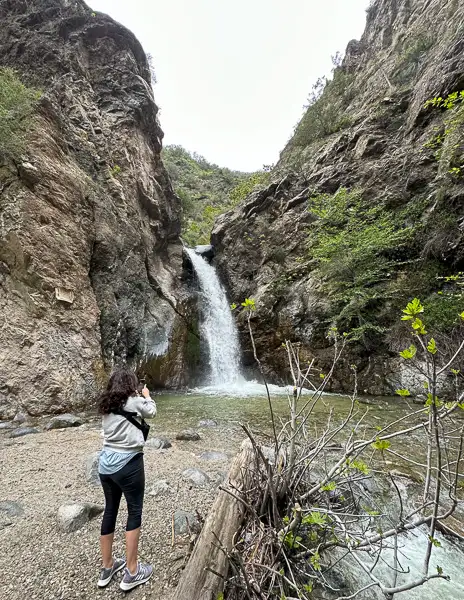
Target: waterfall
217	325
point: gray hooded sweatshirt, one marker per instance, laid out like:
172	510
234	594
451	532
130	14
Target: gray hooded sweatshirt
119	434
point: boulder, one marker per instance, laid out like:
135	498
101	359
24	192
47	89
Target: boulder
160	488
188	435
62	421
159	443
196	476
213	455
185	522
72	517
23	431
207	423
91	468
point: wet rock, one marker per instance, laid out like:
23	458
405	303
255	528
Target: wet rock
160	488
23	431
11	509
62	421
188	435
159	443
196	476
185	522
207	423
72	517
206	251
213	455
91	468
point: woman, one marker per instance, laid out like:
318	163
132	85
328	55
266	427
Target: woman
122	472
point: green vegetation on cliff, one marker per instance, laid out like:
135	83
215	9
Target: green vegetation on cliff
206	190
16	107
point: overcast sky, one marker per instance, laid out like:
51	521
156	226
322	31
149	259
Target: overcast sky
233	76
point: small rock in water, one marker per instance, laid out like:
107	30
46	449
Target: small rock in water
62	421
12	509
185	522
23	431
72	517
20	418
160	488
196	476
91	468
159	443
213	455
188	435
207	423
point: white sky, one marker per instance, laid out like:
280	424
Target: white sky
233	76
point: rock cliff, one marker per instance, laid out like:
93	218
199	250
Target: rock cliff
367	205
90	258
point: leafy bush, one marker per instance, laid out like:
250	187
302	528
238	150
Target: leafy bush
359	247
16	109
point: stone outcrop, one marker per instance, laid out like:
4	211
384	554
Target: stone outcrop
410	52
90	258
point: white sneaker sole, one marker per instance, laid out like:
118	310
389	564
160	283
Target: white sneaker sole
104	582
129	586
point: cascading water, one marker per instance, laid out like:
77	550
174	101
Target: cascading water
217	325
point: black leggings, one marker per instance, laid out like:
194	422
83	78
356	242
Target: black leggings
130	481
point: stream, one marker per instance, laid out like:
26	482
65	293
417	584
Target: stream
180	411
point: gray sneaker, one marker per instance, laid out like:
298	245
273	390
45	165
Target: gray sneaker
106	575
143	574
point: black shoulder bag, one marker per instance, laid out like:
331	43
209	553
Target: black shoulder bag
143	426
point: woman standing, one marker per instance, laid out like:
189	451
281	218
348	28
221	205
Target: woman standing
122	471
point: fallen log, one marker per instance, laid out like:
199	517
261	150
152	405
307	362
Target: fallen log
204	575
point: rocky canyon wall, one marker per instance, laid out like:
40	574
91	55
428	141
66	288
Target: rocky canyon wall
399	162
90	257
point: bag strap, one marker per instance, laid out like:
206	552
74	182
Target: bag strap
130	417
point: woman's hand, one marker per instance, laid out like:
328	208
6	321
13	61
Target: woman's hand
145	392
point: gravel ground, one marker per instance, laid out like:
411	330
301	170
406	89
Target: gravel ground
46	470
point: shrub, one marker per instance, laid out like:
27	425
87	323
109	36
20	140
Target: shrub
325	111
17	104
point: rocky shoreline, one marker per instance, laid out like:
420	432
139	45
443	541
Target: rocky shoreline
49	488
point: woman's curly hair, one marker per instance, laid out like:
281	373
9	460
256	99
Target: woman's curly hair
122	384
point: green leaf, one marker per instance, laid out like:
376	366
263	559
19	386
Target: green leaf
419	326
329	487
360	466
412	309
249	304
316	561
434	541
431	347
439	570
315	518
233	306
409	352
403	392
381	444
455	371
321	375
